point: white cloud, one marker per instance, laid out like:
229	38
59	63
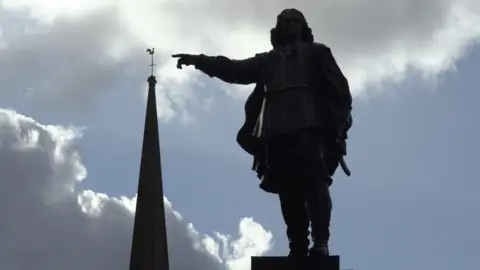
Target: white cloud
48	223
375	41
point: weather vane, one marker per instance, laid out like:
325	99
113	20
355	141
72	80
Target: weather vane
151	52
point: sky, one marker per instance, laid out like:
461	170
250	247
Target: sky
72	105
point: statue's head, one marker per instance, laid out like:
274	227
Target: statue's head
291	24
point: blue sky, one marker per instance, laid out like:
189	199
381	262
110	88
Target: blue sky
411	202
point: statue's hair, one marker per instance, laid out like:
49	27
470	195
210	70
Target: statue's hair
276	37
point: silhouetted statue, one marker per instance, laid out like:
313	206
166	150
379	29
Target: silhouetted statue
297	119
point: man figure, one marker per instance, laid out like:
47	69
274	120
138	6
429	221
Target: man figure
296	123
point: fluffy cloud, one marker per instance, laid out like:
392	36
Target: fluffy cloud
375	41
47	223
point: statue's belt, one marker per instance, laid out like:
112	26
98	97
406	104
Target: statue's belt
269	90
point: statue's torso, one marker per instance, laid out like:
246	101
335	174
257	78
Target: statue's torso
292	98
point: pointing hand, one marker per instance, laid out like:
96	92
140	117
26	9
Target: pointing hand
185	59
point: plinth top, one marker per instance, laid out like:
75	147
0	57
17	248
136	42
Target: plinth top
286	263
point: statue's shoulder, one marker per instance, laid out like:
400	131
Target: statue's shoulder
317	46
262	54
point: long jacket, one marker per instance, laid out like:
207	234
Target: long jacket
334	87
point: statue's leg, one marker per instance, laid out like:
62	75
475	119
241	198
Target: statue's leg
313	175
319	204
296	219
283	165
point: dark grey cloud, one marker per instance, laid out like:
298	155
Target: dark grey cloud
63	64
67	51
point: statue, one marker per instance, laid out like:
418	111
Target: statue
297	119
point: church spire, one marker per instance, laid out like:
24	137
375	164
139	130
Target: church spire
149	243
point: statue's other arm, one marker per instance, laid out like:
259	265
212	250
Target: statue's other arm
337	82
339	94
245	71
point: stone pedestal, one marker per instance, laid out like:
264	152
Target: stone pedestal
286	263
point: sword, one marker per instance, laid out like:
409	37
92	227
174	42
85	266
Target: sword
344	166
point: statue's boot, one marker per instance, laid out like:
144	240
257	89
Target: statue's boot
297	248
295	215
319	206
319	249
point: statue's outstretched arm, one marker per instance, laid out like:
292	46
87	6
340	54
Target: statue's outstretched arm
245	71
